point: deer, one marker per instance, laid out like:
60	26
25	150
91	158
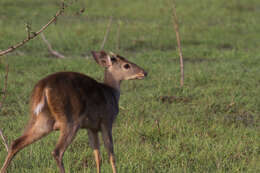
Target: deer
69	101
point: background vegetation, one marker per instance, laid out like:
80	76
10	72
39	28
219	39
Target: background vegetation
209	125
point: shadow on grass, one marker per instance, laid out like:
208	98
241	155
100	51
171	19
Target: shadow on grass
174	99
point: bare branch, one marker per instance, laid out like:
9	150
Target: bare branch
53	52
106	34
176	26
4	140
30	37
5	86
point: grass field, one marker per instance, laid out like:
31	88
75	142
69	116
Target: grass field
209	125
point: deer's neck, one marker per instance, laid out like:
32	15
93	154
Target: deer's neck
113	82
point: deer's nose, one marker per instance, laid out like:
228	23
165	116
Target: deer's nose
145	73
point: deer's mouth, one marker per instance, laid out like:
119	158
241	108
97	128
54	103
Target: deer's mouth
141	75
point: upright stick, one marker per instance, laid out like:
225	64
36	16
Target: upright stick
5	86
176	26
106	34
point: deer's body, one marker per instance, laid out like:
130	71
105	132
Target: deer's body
76	96
68	101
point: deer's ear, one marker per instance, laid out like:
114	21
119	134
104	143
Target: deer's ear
102	58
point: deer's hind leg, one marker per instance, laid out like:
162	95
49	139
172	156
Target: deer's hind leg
67	134
40	125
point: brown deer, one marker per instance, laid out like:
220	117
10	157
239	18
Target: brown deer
68	101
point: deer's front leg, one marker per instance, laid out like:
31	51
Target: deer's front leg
108	142
94	143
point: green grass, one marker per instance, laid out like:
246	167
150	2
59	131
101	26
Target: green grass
209	125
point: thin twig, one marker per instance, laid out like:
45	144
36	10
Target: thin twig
4	140
176	26
118	36
1	104
106	34
53	52
5	86
34	34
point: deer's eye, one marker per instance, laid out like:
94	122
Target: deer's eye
126	66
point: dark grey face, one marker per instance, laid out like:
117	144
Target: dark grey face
117	65
124	69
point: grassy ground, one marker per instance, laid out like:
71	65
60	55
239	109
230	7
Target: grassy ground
209	125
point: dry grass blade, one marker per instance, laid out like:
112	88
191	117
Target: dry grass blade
158	126
4	140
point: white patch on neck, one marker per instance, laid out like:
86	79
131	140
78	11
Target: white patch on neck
38	108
